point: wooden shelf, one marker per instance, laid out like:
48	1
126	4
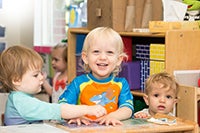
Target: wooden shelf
181	46
139	34
137	93
182	49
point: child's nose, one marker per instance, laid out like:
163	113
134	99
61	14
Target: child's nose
53	61
102	55
162	99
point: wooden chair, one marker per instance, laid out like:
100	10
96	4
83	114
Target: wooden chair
187	106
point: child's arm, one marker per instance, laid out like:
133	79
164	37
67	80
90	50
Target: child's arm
114	117
69	111
48	88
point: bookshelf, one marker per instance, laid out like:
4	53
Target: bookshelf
182	48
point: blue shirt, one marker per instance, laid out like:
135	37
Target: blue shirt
112	92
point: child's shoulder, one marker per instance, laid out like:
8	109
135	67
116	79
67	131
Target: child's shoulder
19	96
18	93
120	79
81	78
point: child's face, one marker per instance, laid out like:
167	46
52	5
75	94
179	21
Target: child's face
160	100
102	58
58	63
31	82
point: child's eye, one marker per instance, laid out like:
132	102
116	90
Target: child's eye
95	51
35	75
155	95
55	59
169	97
110	52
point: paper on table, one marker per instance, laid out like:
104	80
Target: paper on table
173	10
31	128
162	121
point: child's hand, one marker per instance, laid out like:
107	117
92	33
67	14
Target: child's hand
141	115
96	110
44	75
108	120
79	121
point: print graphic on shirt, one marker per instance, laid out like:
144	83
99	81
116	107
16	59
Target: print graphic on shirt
103	94
102	99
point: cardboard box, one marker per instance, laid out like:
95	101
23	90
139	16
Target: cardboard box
162	26
110	13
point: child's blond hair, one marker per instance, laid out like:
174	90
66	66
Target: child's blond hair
62	45
110	36
165	79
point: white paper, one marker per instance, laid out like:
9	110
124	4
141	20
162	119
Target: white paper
162	121
31	128
173	10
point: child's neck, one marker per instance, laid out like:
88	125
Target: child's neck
63	76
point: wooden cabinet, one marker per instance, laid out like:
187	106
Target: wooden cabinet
182	48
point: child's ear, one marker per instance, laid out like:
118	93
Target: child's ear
84	57
16	82
120	59
175	100
145	97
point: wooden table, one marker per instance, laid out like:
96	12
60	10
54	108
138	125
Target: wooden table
129	126
135	126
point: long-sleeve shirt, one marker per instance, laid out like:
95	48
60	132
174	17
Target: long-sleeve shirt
23	108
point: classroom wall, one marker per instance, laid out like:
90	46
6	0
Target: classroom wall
17	17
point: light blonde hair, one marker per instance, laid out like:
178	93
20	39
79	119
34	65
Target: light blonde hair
110	36
64	46
14	63
165	79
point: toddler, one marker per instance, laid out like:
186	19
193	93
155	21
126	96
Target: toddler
59	64
102	54
161	91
